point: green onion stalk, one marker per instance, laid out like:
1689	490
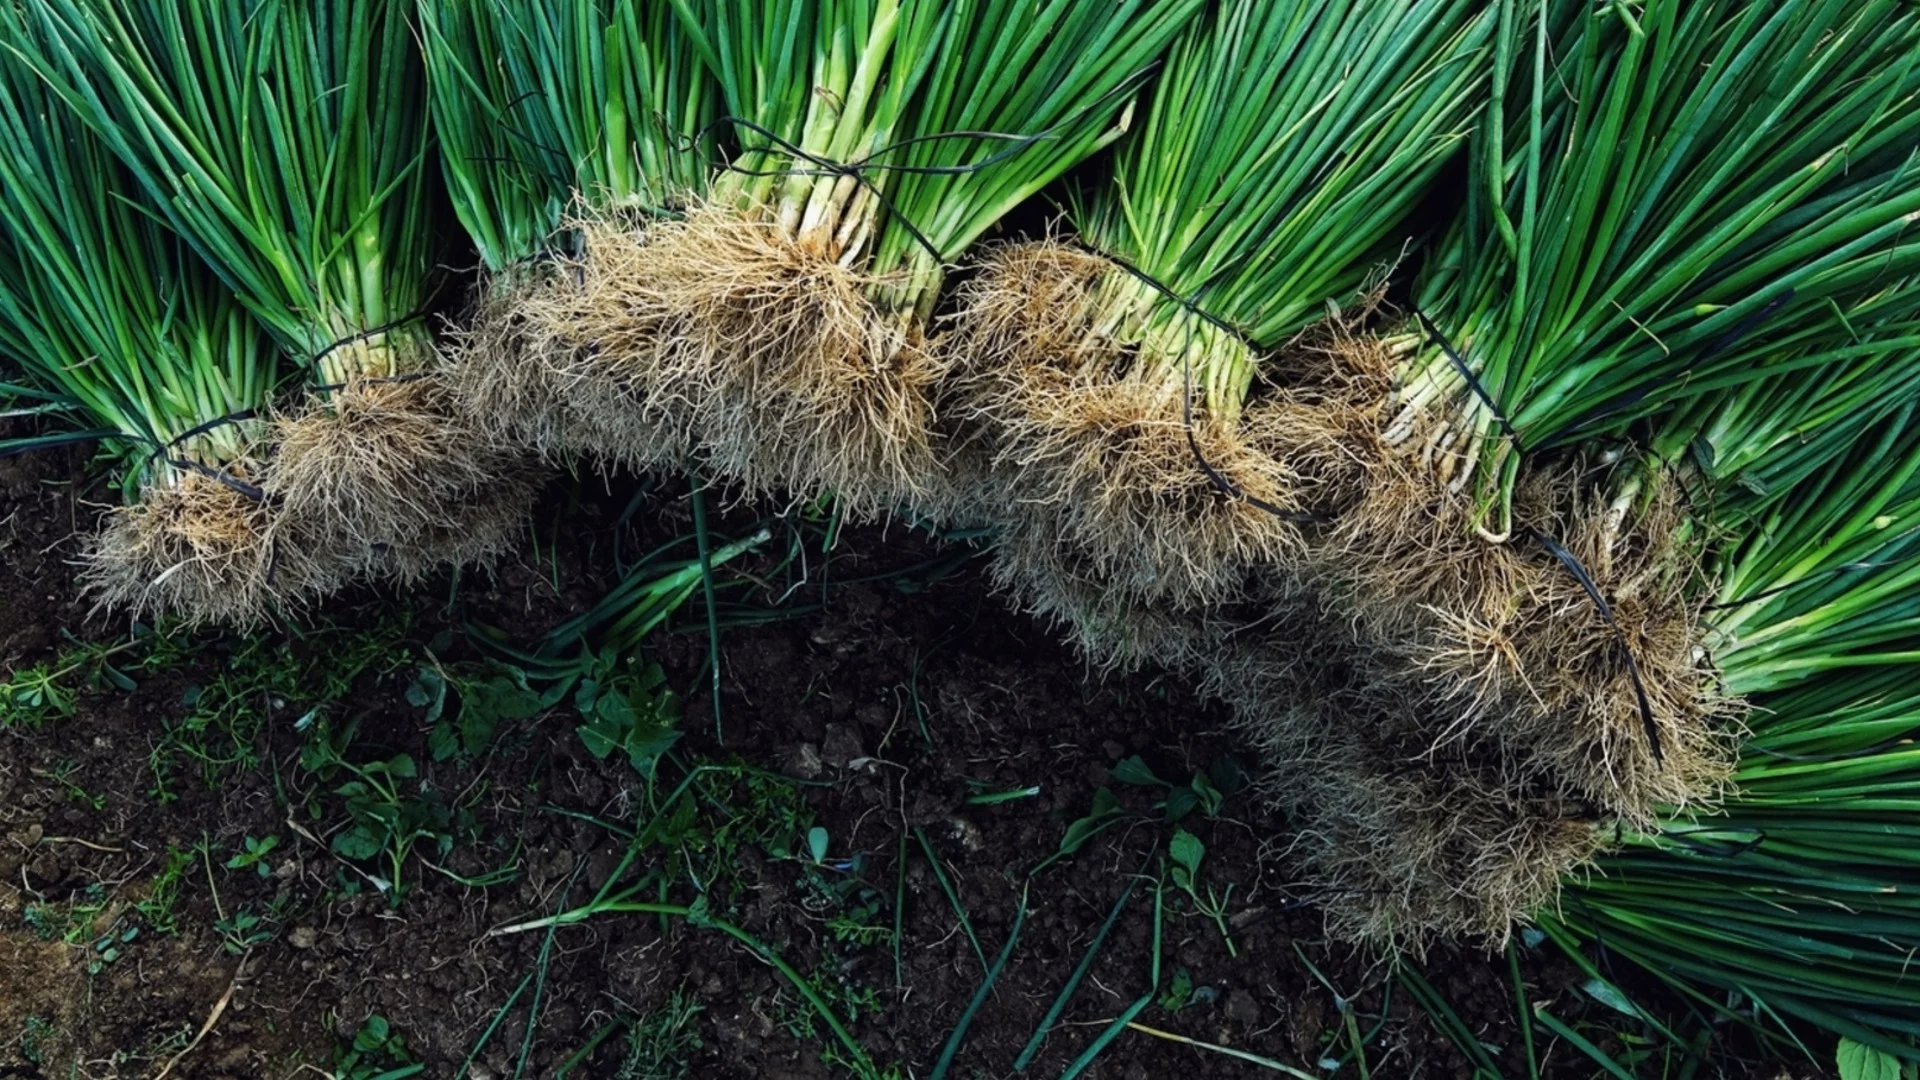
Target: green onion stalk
873	143
1794	903
123	334
287	143
1672	208
565	128
1268	177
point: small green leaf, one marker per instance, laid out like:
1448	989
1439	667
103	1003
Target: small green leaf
1134	771
1105	807
402	765
1179	992
1180	802
817	843
1187	851
1207	795
1858	1061
358	842
441	743
501	698
645	751
614	711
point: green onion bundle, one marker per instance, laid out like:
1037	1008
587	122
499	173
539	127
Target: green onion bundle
1416	821
120	328
1798	893
287	144
1668	208
563	123
784	321
1660	196
1275	163
537	103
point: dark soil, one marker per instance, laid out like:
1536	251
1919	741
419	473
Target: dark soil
893	704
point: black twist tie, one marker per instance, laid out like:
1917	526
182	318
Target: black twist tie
859	168
1473	380
222	476
1192	307
1579	572
362	335
214	424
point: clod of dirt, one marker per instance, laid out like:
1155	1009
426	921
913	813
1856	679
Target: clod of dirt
842	746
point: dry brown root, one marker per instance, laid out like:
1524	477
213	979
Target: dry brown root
203	551
1161	508
489	524
499	378
1402	838
1507	640
387	473
721	332
1401	859
585	359
1048	579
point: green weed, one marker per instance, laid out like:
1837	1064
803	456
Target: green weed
254	854
484	697
157	907
36	1037
660	1045
62	774
261	677
1186	851
376	1052
390	808
51	689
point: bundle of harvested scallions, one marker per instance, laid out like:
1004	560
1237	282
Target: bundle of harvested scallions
783	319
1157	422
1715	251
1798	894
287	144
119	328
1420	820
565	125
1668	203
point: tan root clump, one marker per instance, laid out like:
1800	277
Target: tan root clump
1163	507
203	551
501	381
1507	639
722	332
389	473
592	358
1053	581
1403	838
1403	858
